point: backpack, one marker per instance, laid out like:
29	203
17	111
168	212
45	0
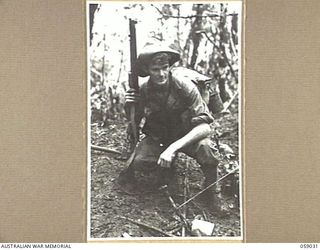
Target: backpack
205	86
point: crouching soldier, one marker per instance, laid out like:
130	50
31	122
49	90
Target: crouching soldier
176	117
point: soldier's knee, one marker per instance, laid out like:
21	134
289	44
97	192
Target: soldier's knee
146	153
205	153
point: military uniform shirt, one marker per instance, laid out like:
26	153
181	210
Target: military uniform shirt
173	113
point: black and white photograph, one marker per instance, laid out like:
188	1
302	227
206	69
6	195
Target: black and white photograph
164	108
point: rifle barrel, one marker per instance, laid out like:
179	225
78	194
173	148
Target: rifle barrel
133	55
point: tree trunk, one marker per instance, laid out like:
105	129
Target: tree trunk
221	61
120	67
111	97
196	36
92	10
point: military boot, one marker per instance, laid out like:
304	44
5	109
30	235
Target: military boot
212	201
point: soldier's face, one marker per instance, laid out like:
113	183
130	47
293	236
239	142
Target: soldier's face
159	74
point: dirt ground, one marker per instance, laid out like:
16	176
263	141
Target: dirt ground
111	205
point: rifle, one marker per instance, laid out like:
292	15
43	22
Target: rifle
133	83
133	135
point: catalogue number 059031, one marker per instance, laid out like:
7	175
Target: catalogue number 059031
308	245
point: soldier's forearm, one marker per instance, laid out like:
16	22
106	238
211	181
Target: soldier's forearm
196	134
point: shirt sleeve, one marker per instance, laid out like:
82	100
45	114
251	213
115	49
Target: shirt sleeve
139	107
199	112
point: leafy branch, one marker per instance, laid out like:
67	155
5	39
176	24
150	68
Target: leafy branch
190	16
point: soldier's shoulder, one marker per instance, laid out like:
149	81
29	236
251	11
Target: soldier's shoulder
181	79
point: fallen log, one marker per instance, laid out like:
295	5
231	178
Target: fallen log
108	150
158	230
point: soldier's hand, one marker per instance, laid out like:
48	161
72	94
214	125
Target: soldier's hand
166	158
132	96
